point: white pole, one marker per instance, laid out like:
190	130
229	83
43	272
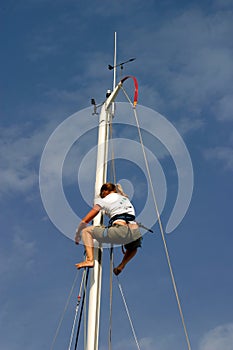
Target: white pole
114	69
96	273
115	60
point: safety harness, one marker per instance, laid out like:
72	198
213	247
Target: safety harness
124	216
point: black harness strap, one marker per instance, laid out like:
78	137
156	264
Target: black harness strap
124	216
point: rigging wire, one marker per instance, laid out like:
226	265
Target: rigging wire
113	178
110	300
64	311
113	168
160	222
81	310
85	320
113	175
77	308
128	314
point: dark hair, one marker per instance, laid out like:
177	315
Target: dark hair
108	186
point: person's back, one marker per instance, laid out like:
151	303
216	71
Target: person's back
115	204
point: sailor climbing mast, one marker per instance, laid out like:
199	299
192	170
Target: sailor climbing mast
105	120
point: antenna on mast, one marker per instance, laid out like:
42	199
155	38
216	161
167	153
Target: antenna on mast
114	61
114	69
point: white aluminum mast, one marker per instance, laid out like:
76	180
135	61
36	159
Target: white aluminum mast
101	175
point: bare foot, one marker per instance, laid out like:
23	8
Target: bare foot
117	270
86	263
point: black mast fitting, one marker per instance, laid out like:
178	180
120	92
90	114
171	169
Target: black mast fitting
121	64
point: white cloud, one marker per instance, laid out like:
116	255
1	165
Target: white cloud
20	149
222	4
22	246
192	67
224	108
119	8
17	152
222	154
185	125
166	341
19	256
219	338
147	343
186	68
129	344
42	51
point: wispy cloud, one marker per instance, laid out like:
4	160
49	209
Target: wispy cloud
218	338
192	68
165	342
223	108
222	4
119	8
221	154
20	254
43	50
186	125
17	152
20	149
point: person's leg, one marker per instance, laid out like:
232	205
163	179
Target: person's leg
89	247
129	254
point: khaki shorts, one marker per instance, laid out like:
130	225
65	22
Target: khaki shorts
118	234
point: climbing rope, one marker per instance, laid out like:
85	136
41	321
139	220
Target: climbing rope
160	222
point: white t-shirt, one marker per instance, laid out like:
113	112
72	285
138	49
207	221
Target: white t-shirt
115	204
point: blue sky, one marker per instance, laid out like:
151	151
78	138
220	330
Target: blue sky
54	59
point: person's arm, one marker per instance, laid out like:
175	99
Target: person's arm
90	216
92	213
